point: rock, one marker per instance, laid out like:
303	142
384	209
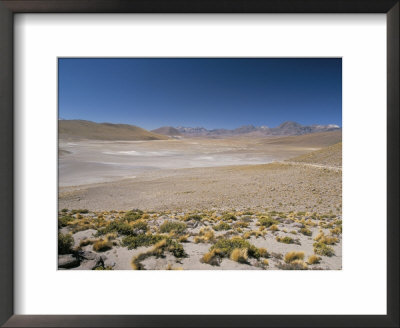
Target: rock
298	225
67	261
88	265
86	255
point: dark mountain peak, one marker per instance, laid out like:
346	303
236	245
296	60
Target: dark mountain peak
289	124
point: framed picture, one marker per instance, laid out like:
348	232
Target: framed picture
201	163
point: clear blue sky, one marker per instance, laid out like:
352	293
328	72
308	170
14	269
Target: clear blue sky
208	92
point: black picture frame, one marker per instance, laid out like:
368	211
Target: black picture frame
10	7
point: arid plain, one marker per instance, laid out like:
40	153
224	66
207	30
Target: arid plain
201	203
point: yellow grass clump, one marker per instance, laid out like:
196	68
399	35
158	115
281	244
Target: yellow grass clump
205	235
212	257
239	255
313	259
263	252
274	227
328	240
102	245
293	256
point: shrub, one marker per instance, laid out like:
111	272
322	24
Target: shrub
285	240
64	220
170	226
228	216
82	211
265	262
139	225
133	215
239	255
267	221
306	232
119	226
102	245
222	226
313	259
65	243
292	256
133	242
323	249
336	231
226	246
195	217
64	210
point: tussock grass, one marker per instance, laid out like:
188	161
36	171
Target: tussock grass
239	255
285	240
293	256
323	249
306	232
274	227
313	259
328	240
294	265
206	235
102	245
213	257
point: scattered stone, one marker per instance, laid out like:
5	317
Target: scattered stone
68	261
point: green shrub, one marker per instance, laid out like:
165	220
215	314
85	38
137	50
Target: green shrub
82	211
267	221
226	246
140	225
133	242
64	220
323	249
121	227
133	215
228	216
65	243
195	217
169	226
221	226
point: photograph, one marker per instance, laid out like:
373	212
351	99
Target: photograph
199	163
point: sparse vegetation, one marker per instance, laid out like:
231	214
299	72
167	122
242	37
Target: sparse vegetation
313	259
285	240
306	232
170	226
267	221
222	226
65	243
293	256
226	246
102	245
239	255
323	249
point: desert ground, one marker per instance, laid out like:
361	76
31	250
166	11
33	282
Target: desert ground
193	203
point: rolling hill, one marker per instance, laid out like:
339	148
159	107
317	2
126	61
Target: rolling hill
80	129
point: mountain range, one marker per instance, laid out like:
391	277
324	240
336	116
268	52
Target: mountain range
80	129
288	128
